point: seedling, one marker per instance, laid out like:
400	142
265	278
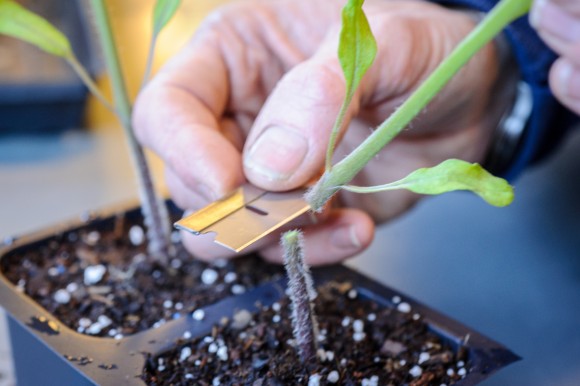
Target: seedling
357	50
20	23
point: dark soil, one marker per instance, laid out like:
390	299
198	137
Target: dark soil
395	348
96	281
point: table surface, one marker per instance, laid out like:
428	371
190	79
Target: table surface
512	273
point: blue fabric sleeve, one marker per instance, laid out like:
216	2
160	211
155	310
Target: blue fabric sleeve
549	120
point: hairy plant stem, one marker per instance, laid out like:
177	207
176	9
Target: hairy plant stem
331	181
302	294
154	212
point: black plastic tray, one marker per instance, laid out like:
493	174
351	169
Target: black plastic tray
41	344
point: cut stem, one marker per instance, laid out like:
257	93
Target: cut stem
302	295
154	212
498	18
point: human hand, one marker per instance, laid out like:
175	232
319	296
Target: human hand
558	23
255	93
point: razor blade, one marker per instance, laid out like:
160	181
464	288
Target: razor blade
245	216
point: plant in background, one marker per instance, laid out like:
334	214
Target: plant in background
20	23
356	52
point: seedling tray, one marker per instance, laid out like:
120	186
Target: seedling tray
46	351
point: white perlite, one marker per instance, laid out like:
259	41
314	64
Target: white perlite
185	353
358	336
85	322
104	321
333	376
94	274
346	321
187	335
93	238
358	325
462	372
212	348
314	380
241	319
198	315
222	353
416	371
230	277
209	276
423	357
216	381
136	235
352	294
372	381
396	299
330	356
404	307
61	296
72	287
238	289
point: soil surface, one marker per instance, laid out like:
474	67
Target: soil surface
99	280
360	343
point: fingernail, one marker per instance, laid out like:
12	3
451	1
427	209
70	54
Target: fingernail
205	191
277	153
345	237
552	19
536	12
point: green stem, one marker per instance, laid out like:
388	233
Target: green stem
336	130
149	63
498	18
88	81
154	212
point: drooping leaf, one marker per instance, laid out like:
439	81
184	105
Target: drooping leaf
448	176
163	12
18	22
357	47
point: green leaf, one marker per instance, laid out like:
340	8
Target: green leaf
163	12
448	176
357	50
18	22
357	47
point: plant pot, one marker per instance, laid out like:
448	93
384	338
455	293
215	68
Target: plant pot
48	350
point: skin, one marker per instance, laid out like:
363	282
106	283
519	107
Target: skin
254	95
558	23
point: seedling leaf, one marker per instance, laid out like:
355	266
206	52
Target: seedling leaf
357	50
18	22
163	12
448	176
357	47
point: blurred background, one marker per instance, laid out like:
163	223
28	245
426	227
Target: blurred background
512	274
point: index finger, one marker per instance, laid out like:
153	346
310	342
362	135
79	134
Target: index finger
178	116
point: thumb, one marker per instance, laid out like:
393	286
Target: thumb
287	144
